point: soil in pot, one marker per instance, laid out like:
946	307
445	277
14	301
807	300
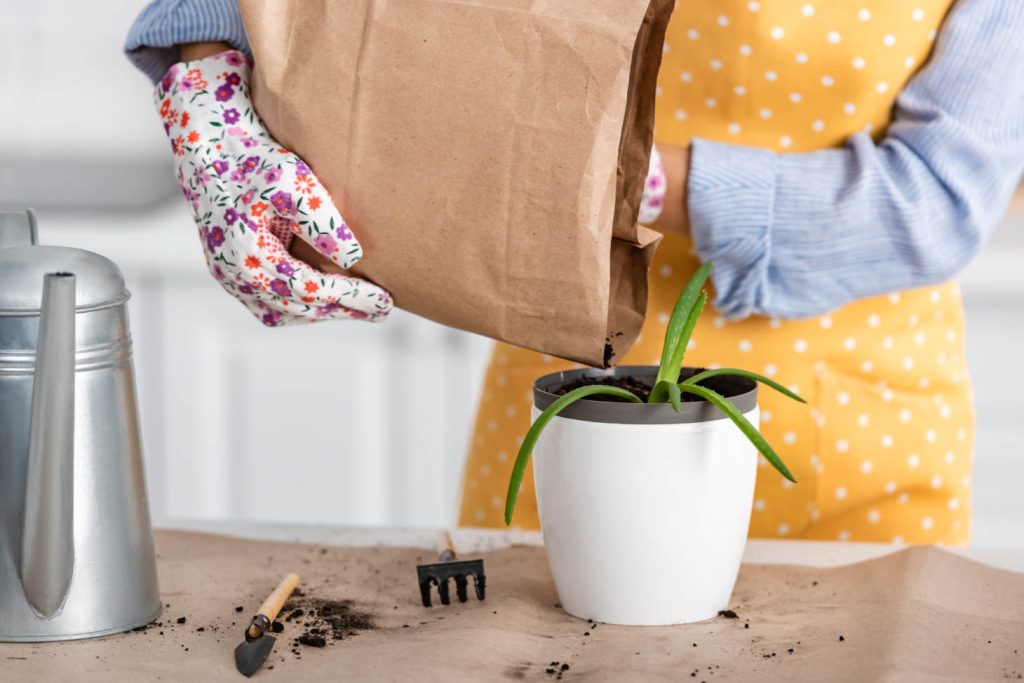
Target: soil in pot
723	384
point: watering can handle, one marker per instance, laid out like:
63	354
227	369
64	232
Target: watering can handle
48	551
18	228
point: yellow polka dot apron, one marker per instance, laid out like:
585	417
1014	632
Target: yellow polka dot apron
883	450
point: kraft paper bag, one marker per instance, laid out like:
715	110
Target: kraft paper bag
489	154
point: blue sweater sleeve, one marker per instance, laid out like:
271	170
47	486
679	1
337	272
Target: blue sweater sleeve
164	24
796	235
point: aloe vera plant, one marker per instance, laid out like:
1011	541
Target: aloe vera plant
667	388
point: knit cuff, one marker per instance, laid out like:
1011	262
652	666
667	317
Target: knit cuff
152	43
731	197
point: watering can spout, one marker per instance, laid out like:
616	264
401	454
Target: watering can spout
48	553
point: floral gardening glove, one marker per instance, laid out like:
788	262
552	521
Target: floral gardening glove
654	191
250	198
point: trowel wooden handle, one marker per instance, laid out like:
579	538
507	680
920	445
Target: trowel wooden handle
271	607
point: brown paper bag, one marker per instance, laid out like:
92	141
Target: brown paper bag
489	154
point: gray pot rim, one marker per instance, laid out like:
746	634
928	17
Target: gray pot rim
635	413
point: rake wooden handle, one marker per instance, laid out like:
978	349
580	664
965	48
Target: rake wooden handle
447	552
271	607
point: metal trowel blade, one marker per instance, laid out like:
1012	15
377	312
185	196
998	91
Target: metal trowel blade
250	655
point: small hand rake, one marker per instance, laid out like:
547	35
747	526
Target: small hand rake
450	567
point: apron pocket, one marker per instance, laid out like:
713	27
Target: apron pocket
903	452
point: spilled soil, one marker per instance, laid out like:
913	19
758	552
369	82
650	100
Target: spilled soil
322	621
307	621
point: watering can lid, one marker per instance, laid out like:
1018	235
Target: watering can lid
98	280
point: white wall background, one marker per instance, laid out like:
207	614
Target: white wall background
341	423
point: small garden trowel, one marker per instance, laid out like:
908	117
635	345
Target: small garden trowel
450	567
250	655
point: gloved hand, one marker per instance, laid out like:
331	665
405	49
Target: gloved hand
250	197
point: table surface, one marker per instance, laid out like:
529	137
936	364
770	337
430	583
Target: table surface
758	551
806	611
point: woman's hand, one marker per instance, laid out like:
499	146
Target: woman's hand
191	52
250	197
663	205
676	162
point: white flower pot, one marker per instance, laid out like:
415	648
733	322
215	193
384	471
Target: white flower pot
644	510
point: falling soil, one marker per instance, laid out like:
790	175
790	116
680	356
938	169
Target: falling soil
723	384
609	348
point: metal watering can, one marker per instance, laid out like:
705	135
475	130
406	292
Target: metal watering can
76	547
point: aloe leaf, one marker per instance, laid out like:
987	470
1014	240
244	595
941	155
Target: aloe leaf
743	423
676	363
676	323
675	396
523	457
660	393
665	392
744	373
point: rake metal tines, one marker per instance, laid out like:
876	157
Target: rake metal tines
439	573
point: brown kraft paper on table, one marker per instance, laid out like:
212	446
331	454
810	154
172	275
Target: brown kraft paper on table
917	615
490	155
